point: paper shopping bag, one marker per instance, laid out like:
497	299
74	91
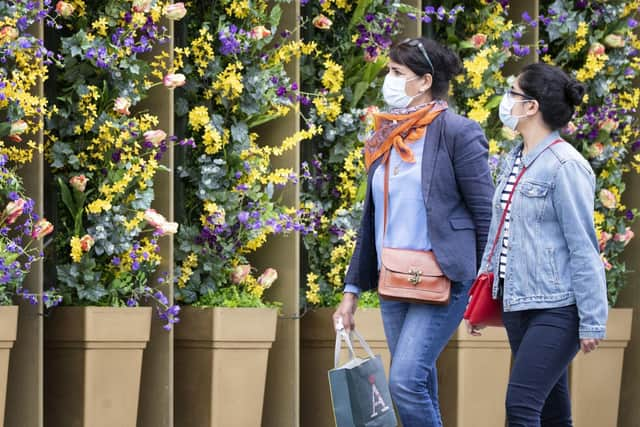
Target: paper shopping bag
359	389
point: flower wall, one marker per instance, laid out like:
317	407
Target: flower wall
23	63
234	60
593	41
104	154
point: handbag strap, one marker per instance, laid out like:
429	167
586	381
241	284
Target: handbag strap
506	207
387	164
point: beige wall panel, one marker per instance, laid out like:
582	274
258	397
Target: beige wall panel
156	389
24	403
281	405
412	27
629	412
282	391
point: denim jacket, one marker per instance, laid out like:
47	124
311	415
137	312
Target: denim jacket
553	258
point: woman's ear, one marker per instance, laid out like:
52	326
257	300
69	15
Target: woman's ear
425	83
532	107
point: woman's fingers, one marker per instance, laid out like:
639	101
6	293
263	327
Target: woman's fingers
589	344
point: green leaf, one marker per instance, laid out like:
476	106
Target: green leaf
5	128
493	102
358	92
274	17
67	199
465	44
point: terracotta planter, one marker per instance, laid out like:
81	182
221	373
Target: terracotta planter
93	361
220	371
8	331
473	375
595	378
318	343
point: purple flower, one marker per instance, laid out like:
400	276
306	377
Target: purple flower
526	17
429	10
281	91
629	215
13	196
243	217
632	23
131	302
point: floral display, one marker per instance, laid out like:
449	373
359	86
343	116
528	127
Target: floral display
104	154
598	44
235	81
343	84
20	228
23	63
594	41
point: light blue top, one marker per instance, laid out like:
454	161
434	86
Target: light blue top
407	216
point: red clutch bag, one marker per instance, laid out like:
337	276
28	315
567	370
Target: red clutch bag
482	308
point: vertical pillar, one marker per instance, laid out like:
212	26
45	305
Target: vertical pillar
412	27
282	394
530	38
629	411
24	406
156	388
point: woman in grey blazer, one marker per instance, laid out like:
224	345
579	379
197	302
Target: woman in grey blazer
440	191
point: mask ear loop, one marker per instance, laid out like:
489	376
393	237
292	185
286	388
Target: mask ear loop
518	101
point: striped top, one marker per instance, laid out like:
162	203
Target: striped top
504	197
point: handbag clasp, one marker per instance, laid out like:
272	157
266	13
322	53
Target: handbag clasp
414	276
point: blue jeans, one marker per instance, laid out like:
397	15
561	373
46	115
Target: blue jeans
543	343
416	335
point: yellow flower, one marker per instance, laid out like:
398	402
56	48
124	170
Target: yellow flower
313	292
329	108
186	270
101	26
76	249
238	8
229	82
332	77
198	117
98	206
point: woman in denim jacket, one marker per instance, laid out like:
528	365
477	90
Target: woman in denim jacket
440	192
547	266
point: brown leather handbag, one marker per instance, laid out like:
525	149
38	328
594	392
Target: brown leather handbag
410	275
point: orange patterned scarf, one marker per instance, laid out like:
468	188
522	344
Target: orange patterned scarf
398	129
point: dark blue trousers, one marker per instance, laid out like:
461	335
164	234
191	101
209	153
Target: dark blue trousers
543	343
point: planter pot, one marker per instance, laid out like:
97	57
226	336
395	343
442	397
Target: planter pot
595	378
8	331
220	371
93	361
473	375
318	343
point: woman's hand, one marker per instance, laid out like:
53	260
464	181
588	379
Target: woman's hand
474	329
587	345
345	311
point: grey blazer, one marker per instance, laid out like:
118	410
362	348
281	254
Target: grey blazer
457	189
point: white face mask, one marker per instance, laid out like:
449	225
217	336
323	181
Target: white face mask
393	91
504	111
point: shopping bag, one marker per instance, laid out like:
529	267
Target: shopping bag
359	389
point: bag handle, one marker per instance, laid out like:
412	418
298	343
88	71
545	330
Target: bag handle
506	207
342	335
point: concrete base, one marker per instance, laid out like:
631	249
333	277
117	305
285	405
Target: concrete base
221	357
93	364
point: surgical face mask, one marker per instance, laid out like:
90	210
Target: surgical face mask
504	111
393	91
